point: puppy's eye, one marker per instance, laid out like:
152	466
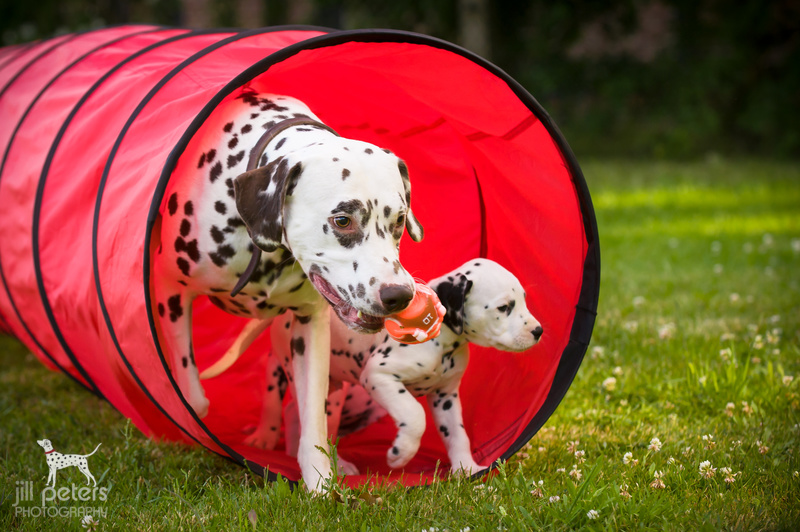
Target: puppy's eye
341	222
508	308
401	220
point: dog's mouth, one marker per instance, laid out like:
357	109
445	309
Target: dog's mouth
353	318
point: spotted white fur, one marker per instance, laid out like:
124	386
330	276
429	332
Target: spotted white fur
485	306
327	212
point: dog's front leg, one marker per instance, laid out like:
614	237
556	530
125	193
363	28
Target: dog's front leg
447	413
311	347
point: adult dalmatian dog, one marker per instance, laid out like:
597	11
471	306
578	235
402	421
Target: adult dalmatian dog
270	210
485	305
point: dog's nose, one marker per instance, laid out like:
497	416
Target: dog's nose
537	332
396	297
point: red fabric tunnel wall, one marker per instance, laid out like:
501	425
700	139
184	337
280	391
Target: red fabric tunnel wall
93	129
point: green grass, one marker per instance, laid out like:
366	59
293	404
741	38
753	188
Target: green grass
698	327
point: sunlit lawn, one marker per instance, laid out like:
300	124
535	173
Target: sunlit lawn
684	415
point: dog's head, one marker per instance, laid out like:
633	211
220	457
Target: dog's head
486	303
340	206
45	444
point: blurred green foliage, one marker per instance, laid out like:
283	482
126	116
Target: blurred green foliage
654	78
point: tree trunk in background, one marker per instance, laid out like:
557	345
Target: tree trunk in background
474	26
300	11
250	13
197	13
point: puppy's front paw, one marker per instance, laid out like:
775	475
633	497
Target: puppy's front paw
466	468
403	450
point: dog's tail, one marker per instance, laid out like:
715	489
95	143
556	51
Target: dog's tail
95	450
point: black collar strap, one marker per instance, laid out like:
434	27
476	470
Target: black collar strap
252	163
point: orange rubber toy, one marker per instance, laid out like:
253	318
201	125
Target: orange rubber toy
420	321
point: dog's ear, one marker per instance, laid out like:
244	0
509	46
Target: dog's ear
452	292
260	196
414	228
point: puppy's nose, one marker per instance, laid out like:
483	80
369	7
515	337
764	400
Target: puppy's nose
396	297
537	332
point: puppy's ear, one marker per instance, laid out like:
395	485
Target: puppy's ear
452	292
414	228
260	196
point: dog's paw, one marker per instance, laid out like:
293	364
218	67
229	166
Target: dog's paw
345	467
200	406
402	451
466	468
263	439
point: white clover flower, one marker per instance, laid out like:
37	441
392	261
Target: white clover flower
730	476
787	380
761	447
573	446
576	473
580	456
734	297
758	342
657	482
706	469
655	445
623	492
610	384
638	301
617	371
592	514
555	498
542	449
709	439
561	470
631	326
729	409
702	380
776	318
727	337
666	331
726	354
628	459
746	408
598	351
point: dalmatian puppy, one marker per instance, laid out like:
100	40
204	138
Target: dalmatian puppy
485	305
270	210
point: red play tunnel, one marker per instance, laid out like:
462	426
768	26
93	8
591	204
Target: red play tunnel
93	124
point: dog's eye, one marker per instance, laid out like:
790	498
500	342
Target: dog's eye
341	222
401	220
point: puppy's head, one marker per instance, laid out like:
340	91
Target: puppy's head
340	206
486	303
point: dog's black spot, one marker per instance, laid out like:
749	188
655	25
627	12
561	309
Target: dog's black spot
280	143
387	211
444	431
217	235
298	346
188	208
161	309
345	174
368	151
186	227
247	127
447	405
215	171
379	231
228	127
336	159
220	207
175	308
254	116
192	251
233	160
395	451
235	222
202	160
355	265
183	266
361	291
185	362
172	204
325	228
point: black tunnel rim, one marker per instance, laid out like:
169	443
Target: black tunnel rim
583	321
